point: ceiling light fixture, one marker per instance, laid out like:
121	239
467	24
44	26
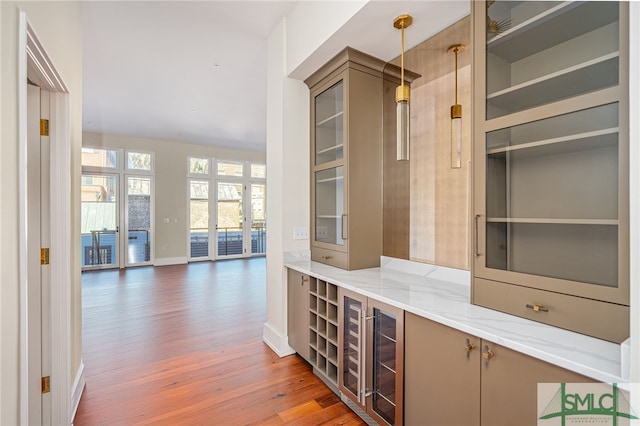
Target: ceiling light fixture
456	115
402	97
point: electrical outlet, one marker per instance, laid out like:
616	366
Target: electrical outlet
300	233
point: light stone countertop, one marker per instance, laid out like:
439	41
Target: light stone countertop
442	295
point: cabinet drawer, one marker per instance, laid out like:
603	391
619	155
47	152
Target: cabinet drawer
603	320
330	257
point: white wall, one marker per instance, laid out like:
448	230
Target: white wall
170	239
634	190
288	181
310	24
58	26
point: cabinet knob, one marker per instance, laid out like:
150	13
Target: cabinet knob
487	355
303	280
469	347
327	257
537	308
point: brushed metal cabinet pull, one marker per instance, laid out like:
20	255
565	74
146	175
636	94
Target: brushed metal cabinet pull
537	307
476	251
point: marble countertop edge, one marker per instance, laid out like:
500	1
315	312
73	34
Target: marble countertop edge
448	303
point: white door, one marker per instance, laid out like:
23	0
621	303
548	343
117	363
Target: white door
38	269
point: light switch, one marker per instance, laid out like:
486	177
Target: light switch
300	233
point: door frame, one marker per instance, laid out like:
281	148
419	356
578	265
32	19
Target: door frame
34	65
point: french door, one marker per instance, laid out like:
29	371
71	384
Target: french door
100	220
231	218
108	200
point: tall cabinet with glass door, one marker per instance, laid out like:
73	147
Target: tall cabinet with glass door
346	161
551	163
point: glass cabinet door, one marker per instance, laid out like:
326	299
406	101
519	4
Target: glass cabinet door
383	398
536	52
329	206
552	197
329	121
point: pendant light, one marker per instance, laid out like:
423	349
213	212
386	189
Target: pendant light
402	97
456	115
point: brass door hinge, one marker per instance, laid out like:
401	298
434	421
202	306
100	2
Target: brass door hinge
46	384
44	127
44	256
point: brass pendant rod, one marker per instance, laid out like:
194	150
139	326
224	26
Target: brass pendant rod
456	52
402	60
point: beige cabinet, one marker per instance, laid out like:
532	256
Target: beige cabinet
346	161
323	331
298	311
459	379
372	356
551	163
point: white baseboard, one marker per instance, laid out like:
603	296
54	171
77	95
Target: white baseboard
165	261
276	341
76	391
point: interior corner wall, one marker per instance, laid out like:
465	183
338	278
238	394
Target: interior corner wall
310	24
170	164
58	26
288	177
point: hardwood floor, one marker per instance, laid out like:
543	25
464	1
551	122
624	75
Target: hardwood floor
182	345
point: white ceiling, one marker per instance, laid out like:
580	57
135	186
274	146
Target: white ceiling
196	71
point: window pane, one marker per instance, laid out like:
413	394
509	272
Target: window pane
230	169
258	171
199	166
199	190
100	157
138	161
139	186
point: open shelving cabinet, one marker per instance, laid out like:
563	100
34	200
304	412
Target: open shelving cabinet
323	330
551	163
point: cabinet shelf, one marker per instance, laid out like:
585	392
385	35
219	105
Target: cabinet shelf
587	140
331	148
383	396
551	27
607	222
334	117
331	179
590	75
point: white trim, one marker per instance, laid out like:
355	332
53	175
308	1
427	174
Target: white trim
634	191
276	341
165	261
60	190
76	392
34	63
22	216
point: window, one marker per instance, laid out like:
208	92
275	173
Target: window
258	171
97	157
199	166
138	160
226	168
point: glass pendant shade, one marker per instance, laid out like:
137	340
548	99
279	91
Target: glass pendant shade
402	126
456	135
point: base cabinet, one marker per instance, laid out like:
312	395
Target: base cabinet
372	359
460	379
298	311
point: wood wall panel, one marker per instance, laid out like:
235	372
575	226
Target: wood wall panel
427	212
395	180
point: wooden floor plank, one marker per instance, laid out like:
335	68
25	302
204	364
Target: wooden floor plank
182	345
